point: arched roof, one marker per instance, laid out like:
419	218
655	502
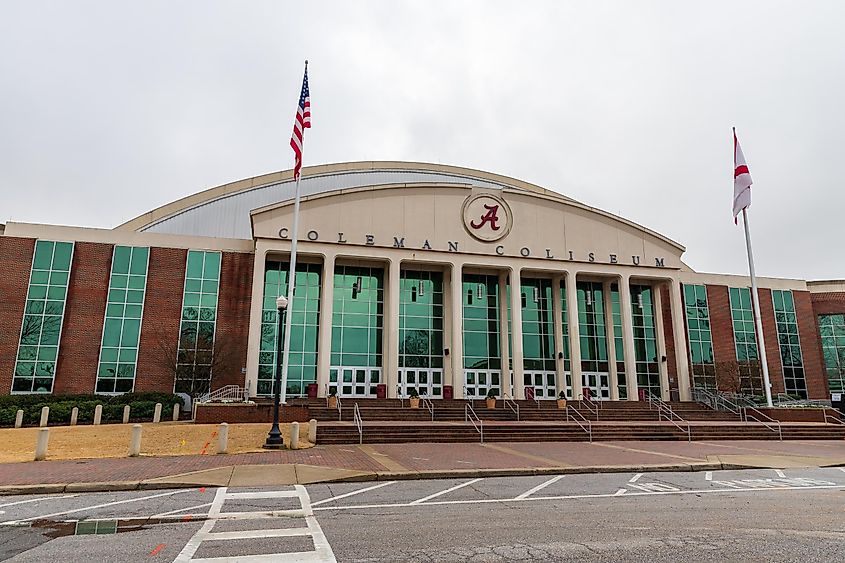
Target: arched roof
224	211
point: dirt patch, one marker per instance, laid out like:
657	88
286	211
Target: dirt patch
166	438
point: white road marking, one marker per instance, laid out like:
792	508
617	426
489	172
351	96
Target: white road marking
34	500
177	511
96	506
635	478
449	490
654	487
542	485
344	450
841	469
421	458
461	461
355	492
708	475
780	473
620	492
576	497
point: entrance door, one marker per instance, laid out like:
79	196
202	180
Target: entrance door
354	381
479	381
543	382
427	381
599	385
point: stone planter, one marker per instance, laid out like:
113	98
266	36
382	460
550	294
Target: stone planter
332	402
491	402
415	402
561	404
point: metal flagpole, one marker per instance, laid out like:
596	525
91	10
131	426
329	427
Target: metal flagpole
758	322
291	284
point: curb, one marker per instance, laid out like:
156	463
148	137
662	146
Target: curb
113	486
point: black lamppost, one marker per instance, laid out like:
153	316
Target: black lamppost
274	439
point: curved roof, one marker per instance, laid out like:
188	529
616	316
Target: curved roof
224	211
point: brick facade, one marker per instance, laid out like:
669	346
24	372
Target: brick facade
233	317
162	315
721	323
669	337
770	334
811	347
16	258
85	310
828	303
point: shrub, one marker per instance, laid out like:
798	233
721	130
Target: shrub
142	406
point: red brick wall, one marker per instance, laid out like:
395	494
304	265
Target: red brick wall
263	412
828	303
85	309
233	317
811	346
162	314
721	323
770	334
669	336
16	258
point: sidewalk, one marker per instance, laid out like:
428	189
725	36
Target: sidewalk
410	461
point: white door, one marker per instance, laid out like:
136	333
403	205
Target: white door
543	382
427	381
598	384
354	381
478	382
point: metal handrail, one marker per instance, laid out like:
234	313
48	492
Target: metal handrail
537	399
224	394
427	403
399	396
663	409
359	423
589	425
472	400
511	404
716	401
767	421
470	416
835	419
339	409
589	404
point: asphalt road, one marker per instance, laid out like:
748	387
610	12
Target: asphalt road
752	515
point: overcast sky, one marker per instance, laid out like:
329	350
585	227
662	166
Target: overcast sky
109	109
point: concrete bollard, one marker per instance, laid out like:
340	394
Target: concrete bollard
126	410
19	418
157	413
74	415
223	438
294	435
45	415
135	442
98	415
312	431
41	444
176	408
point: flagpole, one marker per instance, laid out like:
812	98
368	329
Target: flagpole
758	322
291	282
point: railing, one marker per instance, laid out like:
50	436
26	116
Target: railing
716	401
834	419
470	416
227	394
764	419
339	408
589	404
471	400
399	396
663	409
579	419
537	400
511	404
427	403
359	423
784	400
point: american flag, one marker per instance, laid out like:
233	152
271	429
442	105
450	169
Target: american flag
302	122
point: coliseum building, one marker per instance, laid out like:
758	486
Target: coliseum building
448	280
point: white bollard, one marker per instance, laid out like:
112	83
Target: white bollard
126	410
135	443
74	415
223	438
98	414
157	413
19	418
312	431
294	435
45	414
41	444
176	408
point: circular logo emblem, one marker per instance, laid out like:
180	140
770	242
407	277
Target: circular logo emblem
486	217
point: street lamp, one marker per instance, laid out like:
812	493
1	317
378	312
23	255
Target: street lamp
274	438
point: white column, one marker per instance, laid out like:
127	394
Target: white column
679	332
516	333
611	340
324	346
557	319
457	314
628	338
662	367
574	333
255	311
504	335
391	328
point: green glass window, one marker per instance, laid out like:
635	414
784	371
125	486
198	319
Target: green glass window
481	334
565	323
122	326
538	337
38	348
745	339
592	328
790	346
618	341
195	358
305	326
645	339
421	319
832	332
700	340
